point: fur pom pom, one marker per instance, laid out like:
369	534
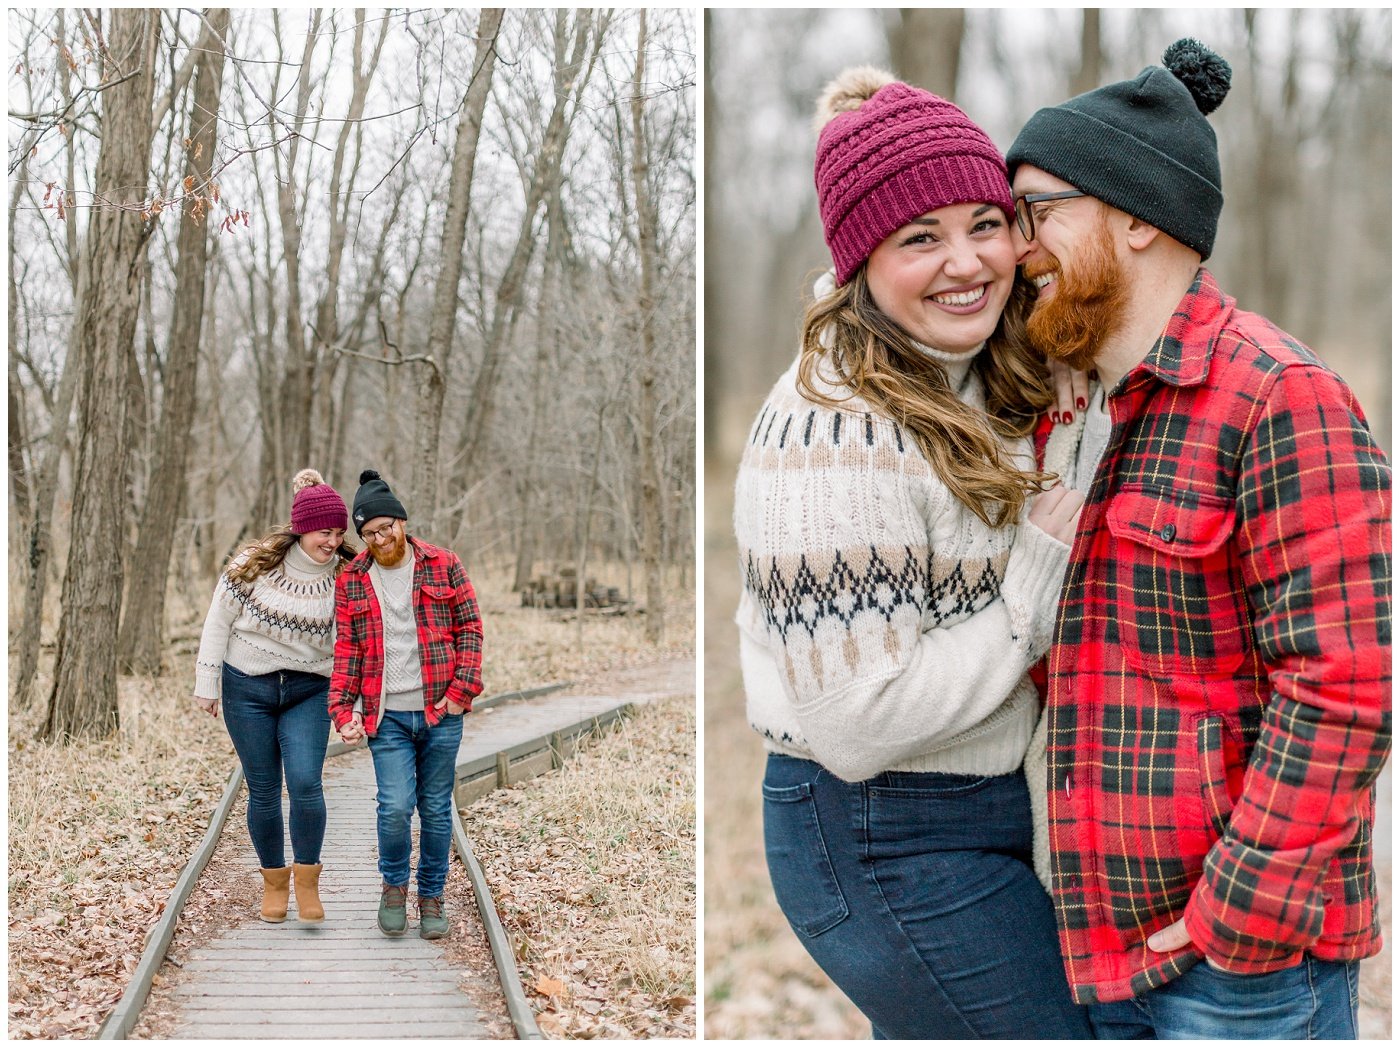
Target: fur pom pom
1205	74
368	475
848	91
305	479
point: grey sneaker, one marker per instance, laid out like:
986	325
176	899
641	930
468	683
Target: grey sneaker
393	909
432	922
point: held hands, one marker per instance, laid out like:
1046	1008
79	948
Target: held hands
209	706
353	730
1056	512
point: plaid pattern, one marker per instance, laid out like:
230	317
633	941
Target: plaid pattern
1219	682
449	637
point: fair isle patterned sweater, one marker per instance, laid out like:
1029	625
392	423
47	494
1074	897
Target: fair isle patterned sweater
283	620
883	626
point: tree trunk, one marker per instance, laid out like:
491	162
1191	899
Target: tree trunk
22	506
40	537
926	45
139	644
443	323
83	702
1090	71
647	250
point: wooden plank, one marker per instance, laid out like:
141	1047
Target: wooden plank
322	1031
537	763
333	990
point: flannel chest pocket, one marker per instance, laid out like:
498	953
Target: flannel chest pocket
437	601
1180	605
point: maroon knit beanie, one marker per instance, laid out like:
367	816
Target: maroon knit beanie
315	504
889	152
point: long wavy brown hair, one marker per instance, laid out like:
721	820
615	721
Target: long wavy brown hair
270	550
873	357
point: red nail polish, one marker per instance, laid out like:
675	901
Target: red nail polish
1079	403
1055	418
1069	417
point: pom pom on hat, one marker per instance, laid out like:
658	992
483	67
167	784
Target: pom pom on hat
1205	74
849	91
305	479
367	475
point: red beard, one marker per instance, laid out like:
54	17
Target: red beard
1087	306
392	557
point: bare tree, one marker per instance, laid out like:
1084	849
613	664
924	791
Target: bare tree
83	702
143	623
572	69
646	305
443	324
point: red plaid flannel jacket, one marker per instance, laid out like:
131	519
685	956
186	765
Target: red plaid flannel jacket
449	637
1219	683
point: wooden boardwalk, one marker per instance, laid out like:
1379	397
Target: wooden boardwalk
343	978
338	979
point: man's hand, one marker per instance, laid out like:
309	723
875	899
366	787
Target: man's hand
1172	937
1175	937
451	709
209	706
353	730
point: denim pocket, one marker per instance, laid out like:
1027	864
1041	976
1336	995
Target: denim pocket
803	879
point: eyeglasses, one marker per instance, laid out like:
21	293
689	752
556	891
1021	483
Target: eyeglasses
379	533
1025	217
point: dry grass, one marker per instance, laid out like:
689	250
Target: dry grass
593	871
100	831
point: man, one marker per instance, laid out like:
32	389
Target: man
407	666
1219	682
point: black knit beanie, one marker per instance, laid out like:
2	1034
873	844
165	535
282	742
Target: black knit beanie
1143	146
374	499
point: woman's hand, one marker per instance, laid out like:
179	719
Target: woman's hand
1071	392
209	706
353	730
1056	512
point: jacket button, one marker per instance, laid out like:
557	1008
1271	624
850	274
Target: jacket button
1168	532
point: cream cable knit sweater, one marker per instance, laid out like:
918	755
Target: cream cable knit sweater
882	625
284	621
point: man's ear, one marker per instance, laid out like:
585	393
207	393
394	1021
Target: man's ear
1141	234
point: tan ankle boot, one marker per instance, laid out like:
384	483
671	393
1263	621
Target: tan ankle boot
308	882
275	889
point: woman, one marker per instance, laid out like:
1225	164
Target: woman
902	565
268	640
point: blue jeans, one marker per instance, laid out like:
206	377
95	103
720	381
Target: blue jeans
1314	1001
415	765
279	722
914	892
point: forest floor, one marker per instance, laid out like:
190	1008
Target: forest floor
99	831
759	982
